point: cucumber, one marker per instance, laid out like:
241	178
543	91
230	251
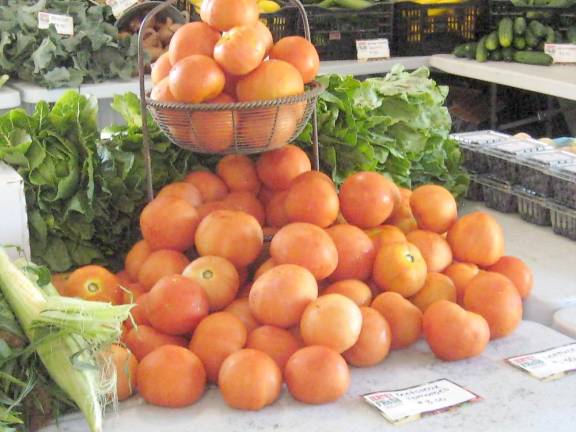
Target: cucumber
541	46
519	25
505	32
508	54
531	39
461	50
471	54
496	55
558	37
571	35
534	58
491	41
537	28
481	51
550	35
519	43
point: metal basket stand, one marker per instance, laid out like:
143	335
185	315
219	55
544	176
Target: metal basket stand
180	121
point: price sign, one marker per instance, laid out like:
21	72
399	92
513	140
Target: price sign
412	403
547	365
120	6
64	24
372	49
561	53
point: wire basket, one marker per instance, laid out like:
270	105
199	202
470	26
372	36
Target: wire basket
244	127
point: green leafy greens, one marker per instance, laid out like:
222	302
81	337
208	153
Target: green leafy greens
397	125
83	193
94	53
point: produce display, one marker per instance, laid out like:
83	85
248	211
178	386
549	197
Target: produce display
342	4
3	80
347	276
520	40
397	125
83	193
94	53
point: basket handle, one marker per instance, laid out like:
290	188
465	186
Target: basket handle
143	107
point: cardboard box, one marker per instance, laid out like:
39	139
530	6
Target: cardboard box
14	221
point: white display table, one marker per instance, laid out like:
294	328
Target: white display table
555	80
513	401
355	67
9	98
565	321
552	259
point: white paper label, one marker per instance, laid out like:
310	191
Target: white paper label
372	49
547	365
400	406
561	53
64	24
120	6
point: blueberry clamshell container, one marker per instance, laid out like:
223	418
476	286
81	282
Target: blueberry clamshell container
472	145
532	208
537	171
564	185
498	195
563	221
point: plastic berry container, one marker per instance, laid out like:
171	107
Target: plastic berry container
563	221
532	208
498	195
537	175
564	185
503	158
472	145
475	192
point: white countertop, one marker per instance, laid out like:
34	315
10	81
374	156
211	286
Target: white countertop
513	401
555	80
355	67
9	98
565	321
551	257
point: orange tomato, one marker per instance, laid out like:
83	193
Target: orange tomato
195	79
495	297
278	343
207	208
159	264
239	173
59	281
367	199
400	267
192	39
210	186
222	15
461	274
218	277
305	245
265	195
246	202
385	234
433	247
265	35
356	252
331	320
437	287
317	375
276	212
214	130
269	127
161	92
272	79
125	366
280	295
136	257
95	283
249	380
240	50
242	242
145	339
216	337
314	201
240	308
171	376
477	238
169	223
138	312
277	168
300	53
404	318
454	333
373	344
355	290
182	190
434	208
264	267
517	271
176	304
161	68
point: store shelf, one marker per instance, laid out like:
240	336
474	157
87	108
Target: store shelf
32	93
555	80
565	321
552	259
108	89
355	67
9	98
512	401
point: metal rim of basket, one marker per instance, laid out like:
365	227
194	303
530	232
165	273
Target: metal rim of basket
311	94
